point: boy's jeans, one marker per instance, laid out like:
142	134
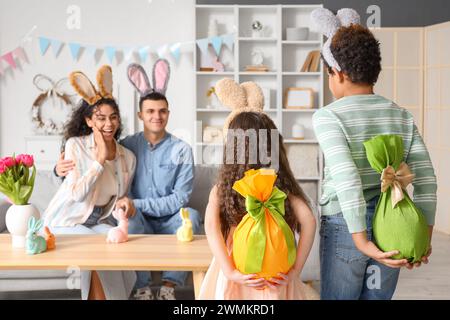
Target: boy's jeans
346	273
141	224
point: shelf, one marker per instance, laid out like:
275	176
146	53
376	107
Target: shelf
207	73
302	42
301	74
258	39
305	141
312	110
227	110
246	73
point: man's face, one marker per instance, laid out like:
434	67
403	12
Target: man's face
154	114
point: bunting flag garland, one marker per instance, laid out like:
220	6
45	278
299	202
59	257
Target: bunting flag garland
56	46
110	53
173	49
74	50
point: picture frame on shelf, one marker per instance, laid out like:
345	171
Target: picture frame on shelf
299	98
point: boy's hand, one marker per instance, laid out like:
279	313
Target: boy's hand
63	167
127	205
371	250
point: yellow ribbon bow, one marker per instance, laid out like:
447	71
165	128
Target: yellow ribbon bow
397	180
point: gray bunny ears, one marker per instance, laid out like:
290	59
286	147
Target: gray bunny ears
139	79
325	22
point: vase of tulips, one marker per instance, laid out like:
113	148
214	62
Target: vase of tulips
17	175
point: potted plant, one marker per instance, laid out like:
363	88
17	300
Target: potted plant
17	174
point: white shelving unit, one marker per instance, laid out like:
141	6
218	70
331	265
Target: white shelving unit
284	59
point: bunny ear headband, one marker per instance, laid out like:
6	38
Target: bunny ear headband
325	22
139	79
245	97
84	87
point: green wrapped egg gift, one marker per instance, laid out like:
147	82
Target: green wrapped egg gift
397	224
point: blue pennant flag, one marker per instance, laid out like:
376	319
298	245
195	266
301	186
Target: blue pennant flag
56	46
175	51
74	50
143	53
203	45
228	40
43	44
91	51
110	53
217	44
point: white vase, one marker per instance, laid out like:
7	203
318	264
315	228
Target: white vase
16	220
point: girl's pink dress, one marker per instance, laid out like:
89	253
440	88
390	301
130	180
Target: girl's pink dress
216	286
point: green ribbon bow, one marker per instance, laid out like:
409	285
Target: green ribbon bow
257	238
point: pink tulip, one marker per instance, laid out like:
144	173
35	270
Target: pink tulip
9	162
3	168
25	159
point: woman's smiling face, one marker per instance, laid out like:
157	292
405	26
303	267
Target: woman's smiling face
106	119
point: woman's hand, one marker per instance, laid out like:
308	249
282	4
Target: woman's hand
102	149
283	279
248	280
63	167
371	250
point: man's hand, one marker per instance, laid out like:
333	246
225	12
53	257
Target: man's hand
371	250
63	167
127	205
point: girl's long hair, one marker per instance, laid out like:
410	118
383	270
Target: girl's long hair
77	126
232	204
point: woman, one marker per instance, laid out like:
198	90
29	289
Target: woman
102	174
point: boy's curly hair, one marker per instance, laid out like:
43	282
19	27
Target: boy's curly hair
358	53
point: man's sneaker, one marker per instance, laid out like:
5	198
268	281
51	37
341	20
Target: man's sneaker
144	293
166	293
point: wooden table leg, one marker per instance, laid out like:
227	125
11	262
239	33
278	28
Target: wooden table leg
197	277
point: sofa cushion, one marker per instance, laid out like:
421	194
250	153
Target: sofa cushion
204	180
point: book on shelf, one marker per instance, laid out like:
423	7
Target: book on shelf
257	68
312	62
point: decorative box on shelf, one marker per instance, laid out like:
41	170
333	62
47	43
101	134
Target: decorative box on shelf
45	150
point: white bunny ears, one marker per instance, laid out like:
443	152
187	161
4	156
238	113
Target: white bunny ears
139	79
325	22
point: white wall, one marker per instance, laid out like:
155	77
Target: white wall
103	22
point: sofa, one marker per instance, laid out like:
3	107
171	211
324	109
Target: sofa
46	185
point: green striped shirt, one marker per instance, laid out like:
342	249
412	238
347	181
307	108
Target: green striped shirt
341	128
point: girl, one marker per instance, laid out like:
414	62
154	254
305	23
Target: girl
226	208
352	266
101	175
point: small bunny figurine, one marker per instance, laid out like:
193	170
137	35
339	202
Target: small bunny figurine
184	233
120	233
49	238
35	244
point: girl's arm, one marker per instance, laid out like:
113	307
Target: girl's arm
218	247
307	221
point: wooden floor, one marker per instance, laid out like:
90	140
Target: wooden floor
431	281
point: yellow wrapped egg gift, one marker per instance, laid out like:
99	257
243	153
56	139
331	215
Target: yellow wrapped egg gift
263	243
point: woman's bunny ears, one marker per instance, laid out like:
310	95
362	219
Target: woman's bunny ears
247	96
139	79
325	22
84	87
